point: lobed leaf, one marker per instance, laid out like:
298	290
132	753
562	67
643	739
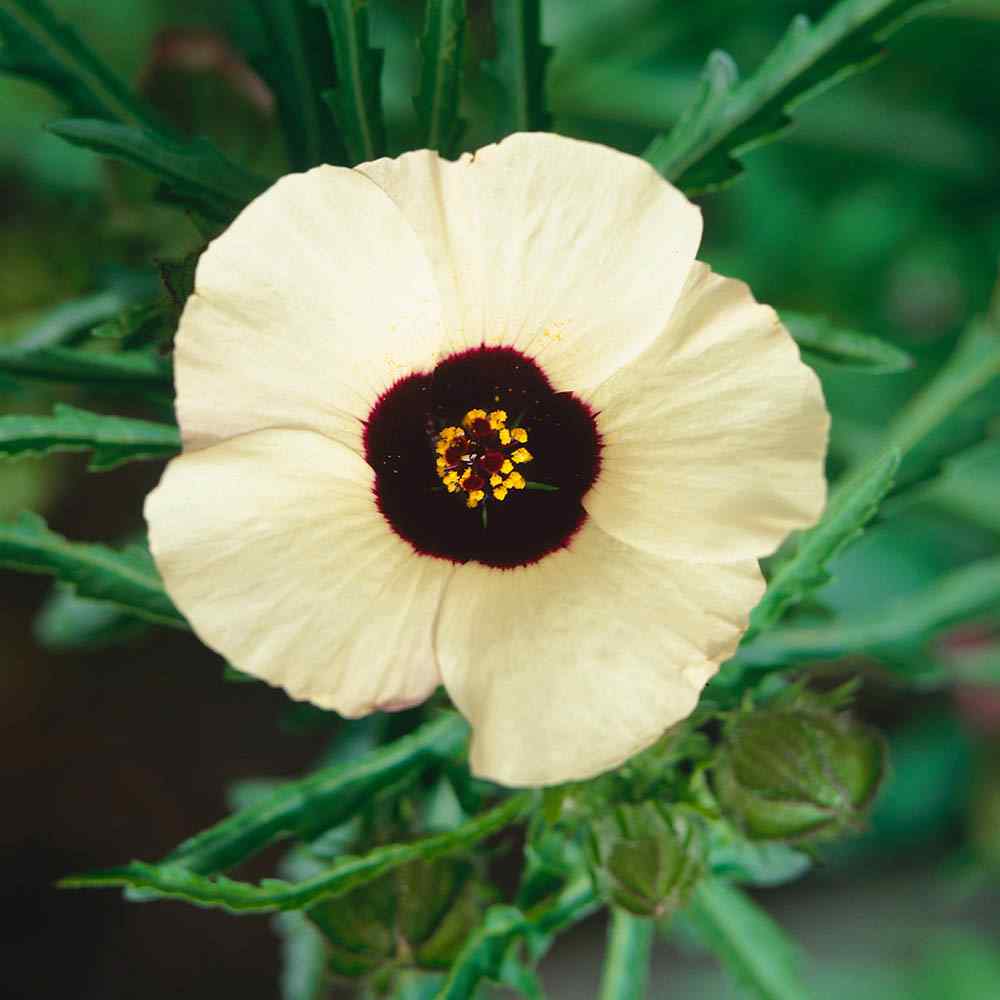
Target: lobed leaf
520	66
297	67
843	520
67	621
311	805
126	577
905	625
752	948
38	46
356	101
442	49
194	170
175	881
143	370
113	440
303	953
489	949
821	340
727	117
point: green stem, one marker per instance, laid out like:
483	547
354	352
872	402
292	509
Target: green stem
626	965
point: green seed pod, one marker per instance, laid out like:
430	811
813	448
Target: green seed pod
416	916
797	772
646	859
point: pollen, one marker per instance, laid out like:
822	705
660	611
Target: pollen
475	457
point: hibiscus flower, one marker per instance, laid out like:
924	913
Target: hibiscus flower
484	423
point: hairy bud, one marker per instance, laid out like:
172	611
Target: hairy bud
646	859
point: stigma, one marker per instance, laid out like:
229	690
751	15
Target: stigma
477	458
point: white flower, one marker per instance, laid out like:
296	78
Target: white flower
323	531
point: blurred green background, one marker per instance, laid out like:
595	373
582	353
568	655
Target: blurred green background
881	210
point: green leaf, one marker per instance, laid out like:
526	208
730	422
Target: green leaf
113	440
626	961
752	948
441	48
520	66
144	370
67	621
193	169
356	101
39	47
490	946
303	958
61	322
902	627
728	118
311	805
755	863
126	577
174	881
821	340
843	520
298	67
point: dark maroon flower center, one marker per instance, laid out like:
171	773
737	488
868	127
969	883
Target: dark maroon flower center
422	470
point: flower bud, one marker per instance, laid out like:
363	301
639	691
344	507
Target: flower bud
417	915
797	772
645	859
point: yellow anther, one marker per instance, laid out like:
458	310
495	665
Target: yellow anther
441	464
472	416
465	475
474	498
495	480
452	487
508	466
519	434
450	477
515	481
522	455
504	435
500	492
497	419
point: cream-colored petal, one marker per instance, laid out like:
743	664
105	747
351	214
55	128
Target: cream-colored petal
313	302
568	667
272	546
715	437
572	252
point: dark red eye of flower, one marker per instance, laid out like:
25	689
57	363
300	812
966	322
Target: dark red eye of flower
456	475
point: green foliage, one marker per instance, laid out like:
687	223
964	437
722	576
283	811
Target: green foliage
67	621
626	963
491	948
761	865
897	631
843	521
356	101
822	341
727	118
126	577
519	67
752	948
141	371
303	975
320	801
297	65
113	440
194	170
40	47
176	881
442	47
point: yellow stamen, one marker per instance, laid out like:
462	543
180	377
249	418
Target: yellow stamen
472	416
497	419
500	492
474	498
441	464
515	481
519	434
504	436
495	480
508	466
522	455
